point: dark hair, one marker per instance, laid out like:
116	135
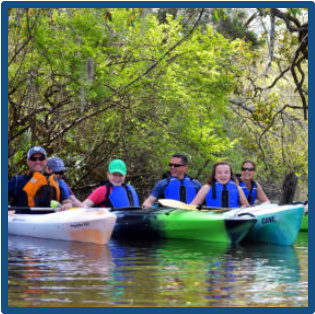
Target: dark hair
212	175
182	157
249	161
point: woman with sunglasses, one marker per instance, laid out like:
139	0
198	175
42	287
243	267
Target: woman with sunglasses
252	189
222	189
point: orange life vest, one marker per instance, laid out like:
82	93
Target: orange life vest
37	181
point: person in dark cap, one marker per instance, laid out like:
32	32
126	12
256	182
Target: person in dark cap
56	166
35	188
114	192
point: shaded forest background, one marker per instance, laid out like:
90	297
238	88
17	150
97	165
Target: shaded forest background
91	85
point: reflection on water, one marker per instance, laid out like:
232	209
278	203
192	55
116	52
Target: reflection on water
165	273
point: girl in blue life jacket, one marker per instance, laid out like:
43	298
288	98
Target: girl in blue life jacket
252	189
222	189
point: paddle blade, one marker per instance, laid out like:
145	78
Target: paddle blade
176	204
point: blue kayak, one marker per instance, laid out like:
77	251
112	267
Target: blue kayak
275	224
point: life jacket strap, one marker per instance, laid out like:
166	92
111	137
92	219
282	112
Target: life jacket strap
225	197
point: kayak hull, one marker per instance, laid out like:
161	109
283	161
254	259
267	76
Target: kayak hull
181	224
275	224
83	225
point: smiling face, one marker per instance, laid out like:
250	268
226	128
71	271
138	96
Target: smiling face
248	171
177	168
223	174
116	178
37	163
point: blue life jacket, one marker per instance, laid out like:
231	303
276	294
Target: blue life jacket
220	195
181	190
251	194
120	196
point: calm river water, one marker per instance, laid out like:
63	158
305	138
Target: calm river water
49	273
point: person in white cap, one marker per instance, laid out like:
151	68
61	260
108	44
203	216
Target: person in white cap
35	188
114	193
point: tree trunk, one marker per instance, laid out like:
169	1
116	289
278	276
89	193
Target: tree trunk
288	188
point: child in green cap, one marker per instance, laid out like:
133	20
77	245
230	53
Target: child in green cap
114	192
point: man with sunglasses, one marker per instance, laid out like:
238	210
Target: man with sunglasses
56	166
177	186
35	188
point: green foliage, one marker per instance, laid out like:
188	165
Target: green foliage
94	84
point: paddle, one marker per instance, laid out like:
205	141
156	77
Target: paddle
180	205
31	209
54	206
125	208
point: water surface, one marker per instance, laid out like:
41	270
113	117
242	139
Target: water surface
49	273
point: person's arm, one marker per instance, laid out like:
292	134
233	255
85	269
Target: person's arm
148	203
262	197
87	203
75	201
64	198
201	195
95	198
156	193
11	187
243	199
66	204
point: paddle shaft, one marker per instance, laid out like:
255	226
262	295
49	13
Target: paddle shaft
49	209
32	209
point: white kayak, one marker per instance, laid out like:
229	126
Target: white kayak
79	224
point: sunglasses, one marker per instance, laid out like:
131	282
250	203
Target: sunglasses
248	169
176	165
41	158
59	172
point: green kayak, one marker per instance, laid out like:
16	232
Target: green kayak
304	224
181	224
266	223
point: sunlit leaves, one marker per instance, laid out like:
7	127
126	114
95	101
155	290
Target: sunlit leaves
141	100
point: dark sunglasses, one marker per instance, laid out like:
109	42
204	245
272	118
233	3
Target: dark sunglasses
59	172
248	169
41	158
176	165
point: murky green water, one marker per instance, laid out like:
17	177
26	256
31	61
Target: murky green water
168	273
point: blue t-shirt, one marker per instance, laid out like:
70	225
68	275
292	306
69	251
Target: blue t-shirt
63	185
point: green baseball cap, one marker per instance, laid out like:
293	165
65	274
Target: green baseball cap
117	165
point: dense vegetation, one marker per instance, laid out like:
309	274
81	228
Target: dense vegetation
90	85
